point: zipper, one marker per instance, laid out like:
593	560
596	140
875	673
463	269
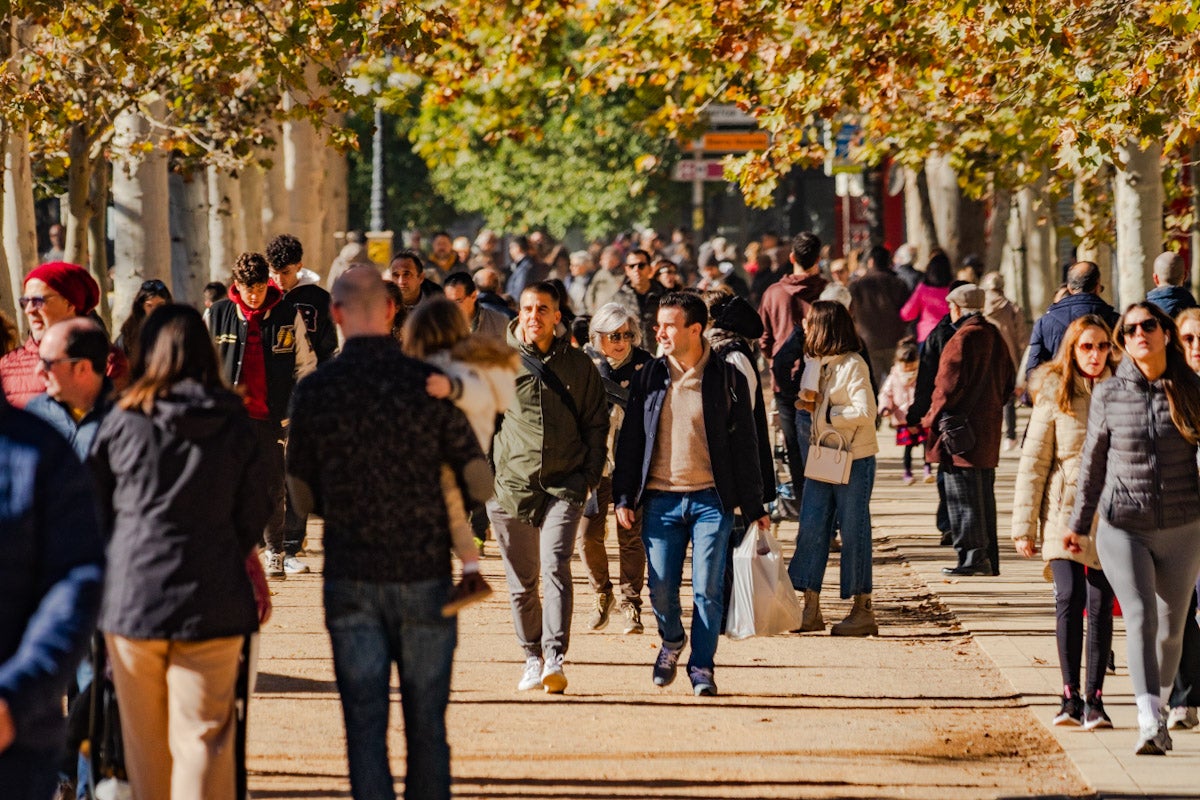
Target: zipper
1158	512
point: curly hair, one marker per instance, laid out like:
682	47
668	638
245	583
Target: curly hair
250	269
283	251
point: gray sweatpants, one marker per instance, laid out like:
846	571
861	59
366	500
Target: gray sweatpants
543	625
1153	574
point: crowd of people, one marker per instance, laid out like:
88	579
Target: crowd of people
154	486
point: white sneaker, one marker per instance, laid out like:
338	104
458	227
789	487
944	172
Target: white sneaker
1182	718
531	678
1153	739
294	566
273	565
553	678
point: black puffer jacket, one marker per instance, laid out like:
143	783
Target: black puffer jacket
183	502
1136	469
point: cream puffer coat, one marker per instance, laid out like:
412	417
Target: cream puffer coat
1049	470
846	404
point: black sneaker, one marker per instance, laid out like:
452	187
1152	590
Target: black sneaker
1093	713
1071	712
667	664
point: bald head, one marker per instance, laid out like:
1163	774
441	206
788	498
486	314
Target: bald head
1169	270
360	304
1083	277
74	356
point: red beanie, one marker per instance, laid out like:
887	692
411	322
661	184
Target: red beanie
71	281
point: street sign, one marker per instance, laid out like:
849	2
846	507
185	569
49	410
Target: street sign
690	169
838	149
727	115
729	142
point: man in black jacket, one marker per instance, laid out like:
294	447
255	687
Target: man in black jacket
361	427
687	456
640	293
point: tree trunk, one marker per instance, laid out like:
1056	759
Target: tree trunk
1091	228
1041	272
250	179
337	208
97	234
14	278
226	238
1195	232
918	215
303	175
874	186
1015	261
997	234
1138	205
20	226
189	234
78	214
972	230
142	219
942	186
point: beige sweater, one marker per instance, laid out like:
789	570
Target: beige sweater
680	461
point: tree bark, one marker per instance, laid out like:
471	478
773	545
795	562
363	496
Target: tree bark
918	215
250	180
997	233
226	237
1091	227
97	234
1138	206
972	230
1038	237
79	210
304	177
944	194
337	208
20	225
1194	237
274	193
189	234
141	219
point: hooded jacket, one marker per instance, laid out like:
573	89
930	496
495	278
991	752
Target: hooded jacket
183	503
1049	329
783	307
543	451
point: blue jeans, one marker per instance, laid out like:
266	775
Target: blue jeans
375	625
670	520
829	506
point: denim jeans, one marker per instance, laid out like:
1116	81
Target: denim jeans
28	774
828	507
669	521
375	625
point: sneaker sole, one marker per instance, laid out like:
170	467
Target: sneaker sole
554	683
525	687
1149	748
1067	722
633	629
304	571
1091	726
704	690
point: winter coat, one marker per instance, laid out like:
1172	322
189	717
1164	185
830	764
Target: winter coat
490	323
50	577
735	350
543	451
601	289
896	395
1009	320
974	360
927	305
1137	470
1049	329
645	306
1171	299
878	297
911	276
617	383
846	404
1049	471
783	307
930	355
313	304
79	433
482	374
20	381
183	503
728	429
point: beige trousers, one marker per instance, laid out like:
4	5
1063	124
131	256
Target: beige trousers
177	715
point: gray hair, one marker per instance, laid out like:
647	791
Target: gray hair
582	257
609	318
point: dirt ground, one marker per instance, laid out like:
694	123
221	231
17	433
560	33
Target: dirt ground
918	711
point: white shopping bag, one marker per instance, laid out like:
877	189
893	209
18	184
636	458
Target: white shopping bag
763	602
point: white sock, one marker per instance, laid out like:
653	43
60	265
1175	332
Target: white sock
1148	706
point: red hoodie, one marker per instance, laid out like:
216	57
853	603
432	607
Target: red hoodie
253	377
778	309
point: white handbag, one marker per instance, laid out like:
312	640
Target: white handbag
828	464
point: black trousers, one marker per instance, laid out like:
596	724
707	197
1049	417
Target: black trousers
786	414
270	441
1077	588
1186	691
971	505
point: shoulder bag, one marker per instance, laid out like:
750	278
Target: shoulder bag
828	464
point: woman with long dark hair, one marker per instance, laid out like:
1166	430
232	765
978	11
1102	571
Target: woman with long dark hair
180	485
152	294
1138	471
927	304
1044	498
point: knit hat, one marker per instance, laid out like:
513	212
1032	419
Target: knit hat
968	297
736	315
71	281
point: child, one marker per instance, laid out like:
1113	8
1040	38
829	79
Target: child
478	375
896	396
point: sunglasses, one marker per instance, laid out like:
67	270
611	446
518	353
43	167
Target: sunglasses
1149	325
619	336
637	264
1088	347
34	301
154	286
1190	338
48	363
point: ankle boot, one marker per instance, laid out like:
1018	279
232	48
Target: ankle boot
860	621
812	619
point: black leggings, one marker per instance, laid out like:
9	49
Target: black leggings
908	448
1073	590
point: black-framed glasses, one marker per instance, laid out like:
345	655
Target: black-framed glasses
620	336
154	285
34	301
48	363
1148	325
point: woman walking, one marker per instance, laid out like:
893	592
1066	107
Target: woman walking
927	304
1045	496
152	294
183	501
1139	471
843	414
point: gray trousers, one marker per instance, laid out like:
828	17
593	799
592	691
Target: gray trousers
1153	574
543	624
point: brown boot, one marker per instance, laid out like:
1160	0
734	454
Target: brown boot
860	621
812	619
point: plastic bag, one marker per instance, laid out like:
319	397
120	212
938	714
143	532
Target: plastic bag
763	602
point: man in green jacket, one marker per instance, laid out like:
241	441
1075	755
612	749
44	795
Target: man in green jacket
549	453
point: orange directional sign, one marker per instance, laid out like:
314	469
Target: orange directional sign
726	142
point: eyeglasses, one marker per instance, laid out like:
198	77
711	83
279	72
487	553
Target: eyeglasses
1190	338
154	286
619	336
1148	325
34	301
636	264
48	363
1088	347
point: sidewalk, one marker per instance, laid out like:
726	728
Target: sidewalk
1012	618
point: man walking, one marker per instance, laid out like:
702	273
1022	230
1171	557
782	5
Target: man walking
1083	297
1170	291
363	426
878	296
687	456
975	376
640	292
549	453
73	358
460	288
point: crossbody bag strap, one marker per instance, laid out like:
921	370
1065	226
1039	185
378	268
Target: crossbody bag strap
554	384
